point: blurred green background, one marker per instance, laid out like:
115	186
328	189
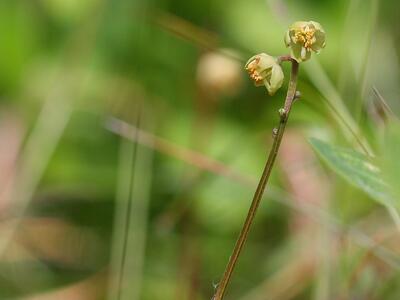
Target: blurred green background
131	142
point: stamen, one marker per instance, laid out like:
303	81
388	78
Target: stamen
251	69
305	36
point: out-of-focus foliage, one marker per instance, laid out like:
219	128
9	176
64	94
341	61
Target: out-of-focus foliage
357	169
87	214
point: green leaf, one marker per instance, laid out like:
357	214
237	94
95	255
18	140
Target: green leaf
356	168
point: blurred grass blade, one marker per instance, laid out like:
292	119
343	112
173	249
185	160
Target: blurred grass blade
187	155
186	30
363	80
53	118
130	221
120	216
321	81
358	170
198	36
346	36
390	158
35	157
140	193
383	105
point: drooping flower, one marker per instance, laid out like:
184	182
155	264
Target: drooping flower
303	38
265	70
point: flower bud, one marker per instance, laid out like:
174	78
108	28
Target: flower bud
265	70
303	38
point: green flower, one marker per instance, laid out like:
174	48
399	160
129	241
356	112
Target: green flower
265	70
304	37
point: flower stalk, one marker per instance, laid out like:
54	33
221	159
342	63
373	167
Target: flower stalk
284	112
302	38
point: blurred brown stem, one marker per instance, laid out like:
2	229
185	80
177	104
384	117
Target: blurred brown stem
277	136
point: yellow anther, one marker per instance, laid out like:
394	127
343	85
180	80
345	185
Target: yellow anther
306	36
